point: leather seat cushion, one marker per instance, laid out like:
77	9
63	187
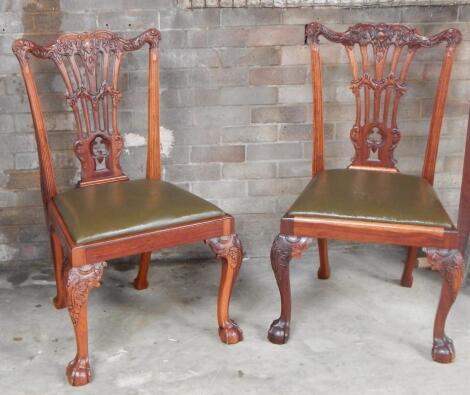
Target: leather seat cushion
114	209
371	196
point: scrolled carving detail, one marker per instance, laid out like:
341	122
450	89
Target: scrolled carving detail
449	262
287	247
381	36
227	247
150	36
80	281
374	84
87	43
22	48
94	97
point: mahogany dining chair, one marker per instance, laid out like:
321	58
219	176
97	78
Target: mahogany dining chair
371	201
109	216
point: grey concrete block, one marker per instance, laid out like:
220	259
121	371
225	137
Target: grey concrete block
278	75
221	116
429	14
227	153
219	189
283	114
245	170
250	17
277	187
255	56
193	172
180	19
249	134
273	151
275	35
374	15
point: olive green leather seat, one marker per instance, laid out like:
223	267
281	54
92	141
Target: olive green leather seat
108	210
371	196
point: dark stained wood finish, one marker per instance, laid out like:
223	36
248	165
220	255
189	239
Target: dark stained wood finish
89	64
378	82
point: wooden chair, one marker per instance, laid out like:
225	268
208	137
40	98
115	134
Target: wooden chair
371	201
109	216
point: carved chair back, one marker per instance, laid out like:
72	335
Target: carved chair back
89	64
380	56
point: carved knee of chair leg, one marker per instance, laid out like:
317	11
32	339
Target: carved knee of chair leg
451	266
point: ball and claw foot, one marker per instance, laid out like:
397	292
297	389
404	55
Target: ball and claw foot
230	333
443	350
78	371
140	285
279	332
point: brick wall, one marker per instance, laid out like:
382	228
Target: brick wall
191	4
236	98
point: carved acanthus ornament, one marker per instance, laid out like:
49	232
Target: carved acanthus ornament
381	36
450	263
288	247
227	247
85	44
80	281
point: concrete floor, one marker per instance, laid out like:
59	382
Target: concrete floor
357	333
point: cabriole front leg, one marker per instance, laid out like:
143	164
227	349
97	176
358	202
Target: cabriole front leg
450	264
80	280
283	250
229	250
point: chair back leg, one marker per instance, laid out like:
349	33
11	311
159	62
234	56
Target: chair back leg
407	276
58	257
324	270
141	281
